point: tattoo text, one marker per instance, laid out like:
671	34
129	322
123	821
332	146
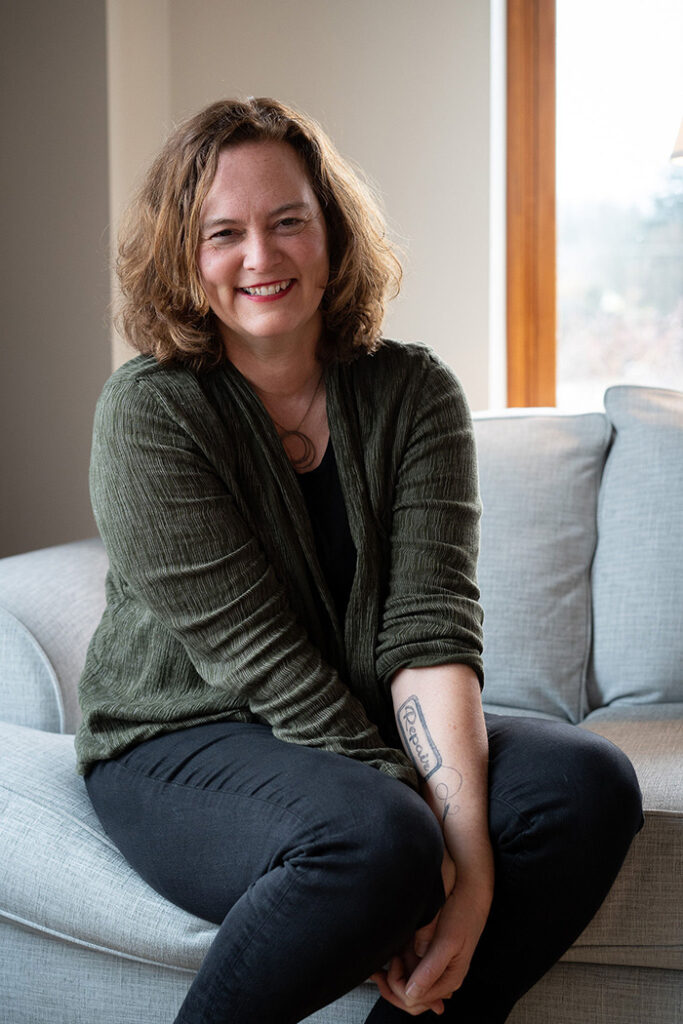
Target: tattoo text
417	738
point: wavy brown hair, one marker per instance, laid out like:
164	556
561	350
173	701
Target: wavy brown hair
165	311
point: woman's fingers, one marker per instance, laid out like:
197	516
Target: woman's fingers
434	981
443	968
391	985
437	975
386	992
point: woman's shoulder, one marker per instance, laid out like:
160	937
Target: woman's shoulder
411	365
144	398
142	381
392	352
145	369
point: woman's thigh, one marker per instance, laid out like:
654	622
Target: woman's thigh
203	813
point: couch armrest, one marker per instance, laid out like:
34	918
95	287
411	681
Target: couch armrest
50	602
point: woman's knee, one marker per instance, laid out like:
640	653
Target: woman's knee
607	795
568	782
399	849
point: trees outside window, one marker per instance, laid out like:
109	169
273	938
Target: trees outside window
617	203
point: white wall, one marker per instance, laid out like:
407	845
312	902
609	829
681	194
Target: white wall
402	87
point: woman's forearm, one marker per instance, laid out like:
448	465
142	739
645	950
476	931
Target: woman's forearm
441	724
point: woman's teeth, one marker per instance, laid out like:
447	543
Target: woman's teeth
267	289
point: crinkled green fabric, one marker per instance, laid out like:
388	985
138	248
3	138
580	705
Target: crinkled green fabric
212	593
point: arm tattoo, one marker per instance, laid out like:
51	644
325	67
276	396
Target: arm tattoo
425	754
445	791
417	738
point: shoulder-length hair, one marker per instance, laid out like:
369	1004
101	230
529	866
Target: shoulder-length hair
165	311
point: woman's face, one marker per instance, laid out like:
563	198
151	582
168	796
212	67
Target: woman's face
262	255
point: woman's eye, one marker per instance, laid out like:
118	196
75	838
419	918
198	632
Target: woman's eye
225	236
290	223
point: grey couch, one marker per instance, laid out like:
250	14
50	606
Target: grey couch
581	575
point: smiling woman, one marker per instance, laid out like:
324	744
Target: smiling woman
281	704
166	310
262	255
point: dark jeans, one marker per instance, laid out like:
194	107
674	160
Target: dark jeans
317	868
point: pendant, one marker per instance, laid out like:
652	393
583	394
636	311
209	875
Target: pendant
306	458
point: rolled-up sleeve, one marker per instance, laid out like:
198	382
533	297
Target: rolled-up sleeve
432	613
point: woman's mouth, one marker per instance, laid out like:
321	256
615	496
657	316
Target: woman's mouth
270	290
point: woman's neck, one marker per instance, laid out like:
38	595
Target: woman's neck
281	369
280	378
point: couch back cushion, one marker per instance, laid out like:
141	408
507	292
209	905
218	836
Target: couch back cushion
638	567
539	477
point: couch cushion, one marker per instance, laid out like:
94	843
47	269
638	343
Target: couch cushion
638	568
577	993
47	981
61	875
50	603
641	923
539	479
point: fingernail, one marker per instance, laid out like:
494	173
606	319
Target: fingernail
412	991
421	948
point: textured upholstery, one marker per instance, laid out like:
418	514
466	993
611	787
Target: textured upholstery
48	980
50	603
591	994
638	569
89	986
539	480
642	921
87	892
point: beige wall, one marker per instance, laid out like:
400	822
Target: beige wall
403	89
139	102
54	280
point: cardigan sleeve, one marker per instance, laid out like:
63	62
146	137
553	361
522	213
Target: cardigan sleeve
179	547
432	615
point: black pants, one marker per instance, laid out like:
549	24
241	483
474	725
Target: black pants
317	868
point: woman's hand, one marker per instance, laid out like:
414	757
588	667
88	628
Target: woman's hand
436	964
445	960
392	983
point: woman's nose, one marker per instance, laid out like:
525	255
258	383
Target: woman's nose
261	251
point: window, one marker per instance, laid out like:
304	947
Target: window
619	197
613	200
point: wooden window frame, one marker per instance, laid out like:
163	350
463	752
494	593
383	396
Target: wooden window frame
531	226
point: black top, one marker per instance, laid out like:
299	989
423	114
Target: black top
324	499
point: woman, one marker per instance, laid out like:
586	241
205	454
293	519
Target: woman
282	724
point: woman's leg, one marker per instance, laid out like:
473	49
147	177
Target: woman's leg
308	861
564	807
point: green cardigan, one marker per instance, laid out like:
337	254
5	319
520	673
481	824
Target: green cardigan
214	590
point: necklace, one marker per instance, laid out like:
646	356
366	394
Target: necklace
307	456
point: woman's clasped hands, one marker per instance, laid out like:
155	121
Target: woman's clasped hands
435	963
